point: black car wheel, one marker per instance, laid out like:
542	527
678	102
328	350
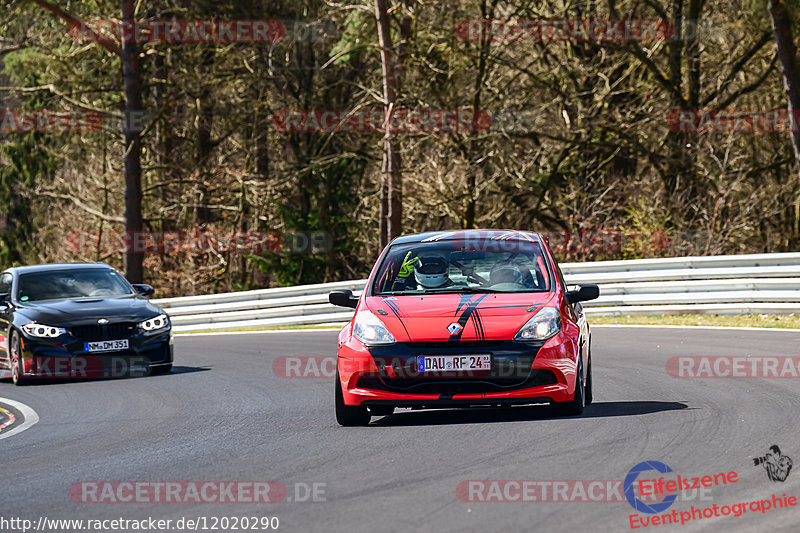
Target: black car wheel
578	402
349	415
15	360
588	391
161	369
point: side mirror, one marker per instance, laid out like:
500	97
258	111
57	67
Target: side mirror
3	298
144	289
343	298
583	294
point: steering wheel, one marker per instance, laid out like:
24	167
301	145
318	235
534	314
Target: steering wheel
469	273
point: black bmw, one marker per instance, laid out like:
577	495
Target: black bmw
79	320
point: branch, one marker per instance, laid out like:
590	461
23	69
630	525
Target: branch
73	22
767	37
52	90
108	218
749	88
662	79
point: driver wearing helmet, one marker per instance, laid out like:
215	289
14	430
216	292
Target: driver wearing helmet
431	272
510	272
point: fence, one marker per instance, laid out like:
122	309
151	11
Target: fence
740	284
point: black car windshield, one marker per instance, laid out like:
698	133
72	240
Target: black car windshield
79	283
468	265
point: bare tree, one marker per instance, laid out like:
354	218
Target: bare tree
129	54
391	215
133	148
787	53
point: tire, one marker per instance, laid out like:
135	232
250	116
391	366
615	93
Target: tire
588	390
15	360
575	406
381	410
161	369
349	415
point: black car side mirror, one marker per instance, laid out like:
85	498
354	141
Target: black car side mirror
3	298
343	298
144	289
583	294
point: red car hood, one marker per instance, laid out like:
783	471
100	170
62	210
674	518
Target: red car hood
482	316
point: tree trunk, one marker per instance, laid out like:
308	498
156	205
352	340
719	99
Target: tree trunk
204	143
132	162
391	178
787	53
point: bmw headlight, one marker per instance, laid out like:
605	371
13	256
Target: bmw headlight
370	330
542	326
40	330
156	323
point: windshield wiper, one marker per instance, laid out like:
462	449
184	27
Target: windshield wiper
397	293
460	290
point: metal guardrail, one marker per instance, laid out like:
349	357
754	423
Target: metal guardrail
738	284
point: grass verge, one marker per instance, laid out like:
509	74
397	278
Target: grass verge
737	321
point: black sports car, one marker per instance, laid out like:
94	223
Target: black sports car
79	320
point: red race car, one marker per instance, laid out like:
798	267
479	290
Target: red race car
460	319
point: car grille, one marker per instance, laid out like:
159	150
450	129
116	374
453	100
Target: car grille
119	330
374	381
460	344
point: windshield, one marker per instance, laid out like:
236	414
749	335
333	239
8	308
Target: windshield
463	266
58	284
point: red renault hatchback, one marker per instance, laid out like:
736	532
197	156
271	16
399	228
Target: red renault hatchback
460	319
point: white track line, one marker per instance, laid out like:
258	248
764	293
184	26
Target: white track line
29	414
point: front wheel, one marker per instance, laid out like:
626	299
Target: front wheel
588	392
15	356
575	406
349	415
161	369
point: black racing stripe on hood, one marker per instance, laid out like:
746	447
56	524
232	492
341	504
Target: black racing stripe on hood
394	308
470	307
476	317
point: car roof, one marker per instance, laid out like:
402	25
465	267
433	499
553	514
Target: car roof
57	266
492	234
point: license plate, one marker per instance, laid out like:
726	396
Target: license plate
105	346
453	363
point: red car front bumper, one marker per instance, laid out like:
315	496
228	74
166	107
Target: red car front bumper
540	373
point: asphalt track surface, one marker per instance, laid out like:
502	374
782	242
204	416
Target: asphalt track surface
223	414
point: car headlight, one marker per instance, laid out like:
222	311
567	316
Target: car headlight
40	330
154	324
370	330
542	326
